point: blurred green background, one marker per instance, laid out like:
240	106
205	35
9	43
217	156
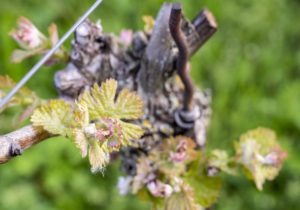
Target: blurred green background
252	66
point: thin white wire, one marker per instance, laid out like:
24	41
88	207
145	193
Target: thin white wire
38	65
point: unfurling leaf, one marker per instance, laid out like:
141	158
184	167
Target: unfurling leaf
32	42
183	149
54	117
206	189
27	35
149	23
80	141
94	122
130	131
101	102
220	160
24	97
180	201
260	155
98	157
128	105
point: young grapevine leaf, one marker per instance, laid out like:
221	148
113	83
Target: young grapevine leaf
149	23
260	155
54	117
206	189
180	201
101	102
130	131
98	157
24	97
220	160
94	123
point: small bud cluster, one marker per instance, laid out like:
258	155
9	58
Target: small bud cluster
32	42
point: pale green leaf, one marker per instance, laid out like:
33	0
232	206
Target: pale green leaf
149	23
180	201
101	102
219	159
260	155
98	158
80	141
81	115
55	117
128	105
24	97
130	132
206	189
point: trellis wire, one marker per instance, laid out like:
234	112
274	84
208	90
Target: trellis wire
38	65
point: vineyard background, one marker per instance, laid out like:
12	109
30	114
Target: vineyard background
252	66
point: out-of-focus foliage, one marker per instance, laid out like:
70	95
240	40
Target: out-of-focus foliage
252	66
32	42
173	168
26	99
177	168
260	155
